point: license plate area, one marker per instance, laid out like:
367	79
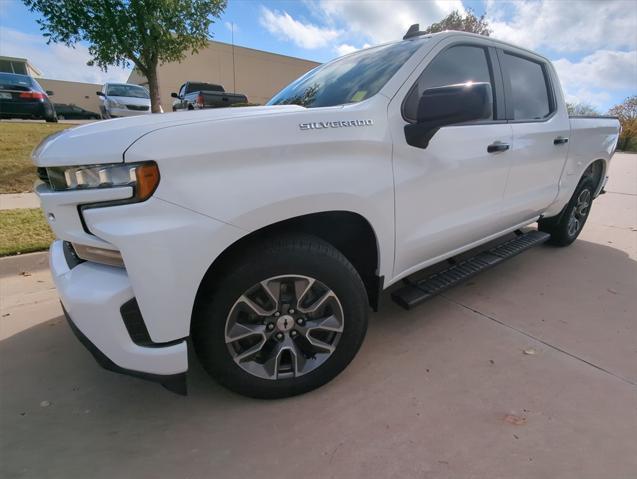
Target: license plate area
5	96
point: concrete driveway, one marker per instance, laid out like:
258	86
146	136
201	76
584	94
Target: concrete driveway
527	371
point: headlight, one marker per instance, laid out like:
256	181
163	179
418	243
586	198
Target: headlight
115	104
142	177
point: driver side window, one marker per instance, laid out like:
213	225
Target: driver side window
459	64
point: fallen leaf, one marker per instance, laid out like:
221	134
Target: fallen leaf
6	314
611	290
45	404
25	273
530	351
515	420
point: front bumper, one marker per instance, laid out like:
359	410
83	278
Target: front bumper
124	112
92	296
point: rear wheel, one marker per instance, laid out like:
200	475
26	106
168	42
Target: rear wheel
287	318
566	227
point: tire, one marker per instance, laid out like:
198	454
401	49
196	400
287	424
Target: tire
61	117
566	227
51	119
283	367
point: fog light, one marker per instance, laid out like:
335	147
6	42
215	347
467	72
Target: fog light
99	255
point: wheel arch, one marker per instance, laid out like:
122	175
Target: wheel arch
597	170
349	232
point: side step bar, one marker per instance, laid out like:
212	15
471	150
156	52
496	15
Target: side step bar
416	292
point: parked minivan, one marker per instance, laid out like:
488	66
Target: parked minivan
123	99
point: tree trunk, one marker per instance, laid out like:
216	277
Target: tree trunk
153	88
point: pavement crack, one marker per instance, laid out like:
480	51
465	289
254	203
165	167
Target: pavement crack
535	338
620	193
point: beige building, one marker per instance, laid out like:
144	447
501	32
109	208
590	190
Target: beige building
72	92
21	66
257	74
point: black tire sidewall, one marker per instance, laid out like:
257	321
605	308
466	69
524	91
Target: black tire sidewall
318	260
559	230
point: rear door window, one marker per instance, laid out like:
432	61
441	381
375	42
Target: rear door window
529	99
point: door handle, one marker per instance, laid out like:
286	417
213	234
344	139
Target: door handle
560	140
497	146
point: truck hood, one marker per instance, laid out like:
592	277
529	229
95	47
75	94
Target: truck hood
106	141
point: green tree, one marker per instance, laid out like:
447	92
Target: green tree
581	109
467	23
627	114
145	33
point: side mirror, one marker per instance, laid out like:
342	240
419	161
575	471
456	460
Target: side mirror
50	93
99	93
448	105
174	95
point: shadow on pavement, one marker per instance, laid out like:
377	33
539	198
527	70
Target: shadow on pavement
97	419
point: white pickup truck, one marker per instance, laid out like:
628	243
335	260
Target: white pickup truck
265	234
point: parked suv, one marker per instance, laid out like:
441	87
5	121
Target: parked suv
123	99
265	234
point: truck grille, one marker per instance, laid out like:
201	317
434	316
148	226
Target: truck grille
137	107
44	176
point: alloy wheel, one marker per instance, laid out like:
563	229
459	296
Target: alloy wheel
579	212
284	327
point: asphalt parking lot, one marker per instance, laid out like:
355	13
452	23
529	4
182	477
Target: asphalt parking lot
527	371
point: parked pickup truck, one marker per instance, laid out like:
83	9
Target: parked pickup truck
196	96
265	234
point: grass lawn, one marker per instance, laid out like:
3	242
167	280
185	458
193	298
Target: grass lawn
23	231
17	140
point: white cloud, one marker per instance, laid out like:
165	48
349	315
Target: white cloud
382	20
362	22
565	26
594	77
597	99
345	48
56	61
305	35
614	70
232	26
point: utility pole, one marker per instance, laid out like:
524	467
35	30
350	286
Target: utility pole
234	73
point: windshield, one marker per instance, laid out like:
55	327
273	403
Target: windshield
349	79
127	90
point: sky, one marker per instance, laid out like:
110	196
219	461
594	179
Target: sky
592	43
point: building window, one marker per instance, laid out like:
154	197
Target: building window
8	66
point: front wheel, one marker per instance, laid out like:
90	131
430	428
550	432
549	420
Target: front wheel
565	228
286	318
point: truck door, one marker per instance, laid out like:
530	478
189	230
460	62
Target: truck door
541	128
449	194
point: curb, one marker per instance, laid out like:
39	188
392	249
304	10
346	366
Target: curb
30	262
